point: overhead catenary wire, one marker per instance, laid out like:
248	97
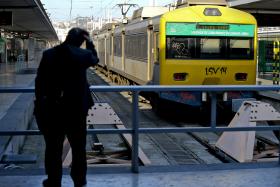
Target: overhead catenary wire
75	7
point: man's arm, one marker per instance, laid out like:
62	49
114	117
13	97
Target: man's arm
90	46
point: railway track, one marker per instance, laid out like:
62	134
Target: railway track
185	148
160	149
105	149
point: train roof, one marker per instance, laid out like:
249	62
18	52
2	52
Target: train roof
197	14
184	3
148	12
109	26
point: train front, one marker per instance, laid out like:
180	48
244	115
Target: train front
207	45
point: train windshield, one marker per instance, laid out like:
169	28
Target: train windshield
198	41
209	48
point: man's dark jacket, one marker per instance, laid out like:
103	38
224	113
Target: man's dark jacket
61	79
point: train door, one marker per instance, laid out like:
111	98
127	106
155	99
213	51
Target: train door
150	53
155	58
123	50
112	50
105	51
108	50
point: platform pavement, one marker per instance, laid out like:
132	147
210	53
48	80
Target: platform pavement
264	81
14	75
182	176
16	109
269	94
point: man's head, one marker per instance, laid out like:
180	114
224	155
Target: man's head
76	36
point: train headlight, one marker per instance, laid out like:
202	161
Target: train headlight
180	76
212	12
241	76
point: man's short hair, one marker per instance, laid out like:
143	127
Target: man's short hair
76	37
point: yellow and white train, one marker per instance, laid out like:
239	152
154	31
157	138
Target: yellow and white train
193	45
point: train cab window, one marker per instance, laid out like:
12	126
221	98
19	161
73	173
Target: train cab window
179	48
210	48
241	49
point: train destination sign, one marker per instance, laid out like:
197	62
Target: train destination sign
209	29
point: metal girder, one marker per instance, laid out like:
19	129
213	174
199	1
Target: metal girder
102	114
240	145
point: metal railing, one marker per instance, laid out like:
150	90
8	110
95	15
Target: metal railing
135	130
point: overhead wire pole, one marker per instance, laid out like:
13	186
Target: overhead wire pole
125	8
71	3
153	2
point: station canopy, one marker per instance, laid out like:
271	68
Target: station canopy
267	12
26	17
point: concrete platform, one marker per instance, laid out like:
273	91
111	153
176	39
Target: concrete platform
268	94
13	75
263	81
16	109
202	176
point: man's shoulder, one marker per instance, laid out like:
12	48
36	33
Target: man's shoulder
49	51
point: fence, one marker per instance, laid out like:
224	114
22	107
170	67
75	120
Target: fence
135	130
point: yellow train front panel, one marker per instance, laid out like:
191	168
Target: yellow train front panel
205	72
207	45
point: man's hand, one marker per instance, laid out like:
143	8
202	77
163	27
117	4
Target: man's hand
87	38
90	45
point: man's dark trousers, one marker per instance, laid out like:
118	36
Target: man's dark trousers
73	127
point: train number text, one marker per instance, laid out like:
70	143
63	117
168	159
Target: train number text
215	70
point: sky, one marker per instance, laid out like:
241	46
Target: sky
59	10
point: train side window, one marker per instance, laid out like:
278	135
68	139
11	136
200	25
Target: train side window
108	46
118	46
136	46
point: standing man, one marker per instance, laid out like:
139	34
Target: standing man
62	102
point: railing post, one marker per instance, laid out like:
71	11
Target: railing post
213	109
135	134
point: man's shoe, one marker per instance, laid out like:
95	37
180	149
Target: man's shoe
46	183
83	184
